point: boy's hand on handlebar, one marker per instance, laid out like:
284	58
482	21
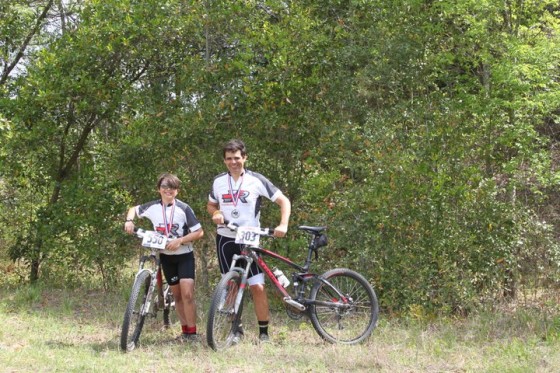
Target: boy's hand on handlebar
173	244
129	227
280	231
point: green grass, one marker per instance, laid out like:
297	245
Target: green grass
47	330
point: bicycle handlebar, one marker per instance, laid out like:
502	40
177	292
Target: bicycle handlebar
263	231
139	232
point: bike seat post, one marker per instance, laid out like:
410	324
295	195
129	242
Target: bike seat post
310	249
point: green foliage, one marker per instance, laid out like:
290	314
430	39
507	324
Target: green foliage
426	200
422	133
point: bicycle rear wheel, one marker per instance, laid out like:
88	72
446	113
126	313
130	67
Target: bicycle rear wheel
223	321
348	319
134	315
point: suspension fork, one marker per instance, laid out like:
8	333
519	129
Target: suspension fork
244	274
154	281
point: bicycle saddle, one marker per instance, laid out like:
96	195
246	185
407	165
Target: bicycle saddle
314	230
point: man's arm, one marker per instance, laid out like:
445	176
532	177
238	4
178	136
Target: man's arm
285	211
214	211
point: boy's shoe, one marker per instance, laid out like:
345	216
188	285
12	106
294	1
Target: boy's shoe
191	338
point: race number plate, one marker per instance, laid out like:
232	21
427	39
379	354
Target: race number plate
154	240
248	236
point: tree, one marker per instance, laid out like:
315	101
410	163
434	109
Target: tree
71	100
419	132
22	23
441	139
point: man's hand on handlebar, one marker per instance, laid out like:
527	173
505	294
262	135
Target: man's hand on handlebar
280	231
218	217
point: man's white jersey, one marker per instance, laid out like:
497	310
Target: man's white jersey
240	202
176	220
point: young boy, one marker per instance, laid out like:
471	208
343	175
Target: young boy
176	220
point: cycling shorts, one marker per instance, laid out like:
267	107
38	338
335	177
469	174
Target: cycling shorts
176	267
226	248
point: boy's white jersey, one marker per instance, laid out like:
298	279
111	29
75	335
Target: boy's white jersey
176	220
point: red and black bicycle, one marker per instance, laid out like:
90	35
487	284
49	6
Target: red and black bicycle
340	303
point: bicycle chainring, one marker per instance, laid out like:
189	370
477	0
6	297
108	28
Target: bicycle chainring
294	313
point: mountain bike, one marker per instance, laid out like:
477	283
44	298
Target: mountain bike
150	292
340	303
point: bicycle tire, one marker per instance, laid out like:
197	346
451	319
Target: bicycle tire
133	320
222	319
352	323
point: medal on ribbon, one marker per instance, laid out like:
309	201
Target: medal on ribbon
234	196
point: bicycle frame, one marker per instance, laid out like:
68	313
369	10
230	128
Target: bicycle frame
149	294
255	254
340	303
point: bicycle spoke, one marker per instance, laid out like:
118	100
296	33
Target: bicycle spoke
222	319
134	316
347	315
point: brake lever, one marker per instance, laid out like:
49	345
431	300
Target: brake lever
231	225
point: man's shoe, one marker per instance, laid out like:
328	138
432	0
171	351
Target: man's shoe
264	338
238	336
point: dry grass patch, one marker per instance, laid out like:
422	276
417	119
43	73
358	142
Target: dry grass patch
62	331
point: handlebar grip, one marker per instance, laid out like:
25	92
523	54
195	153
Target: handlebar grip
139	232
231	225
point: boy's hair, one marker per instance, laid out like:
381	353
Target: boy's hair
235	145
168	180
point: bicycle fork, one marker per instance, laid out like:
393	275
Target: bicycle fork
243	284
145	309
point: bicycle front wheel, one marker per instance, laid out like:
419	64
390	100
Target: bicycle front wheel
223	321
344	308
134	315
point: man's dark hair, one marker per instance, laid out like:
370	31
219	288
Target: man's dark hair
235	145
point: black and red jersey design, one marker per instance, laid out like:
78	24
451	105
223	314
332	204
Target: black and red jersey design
242	195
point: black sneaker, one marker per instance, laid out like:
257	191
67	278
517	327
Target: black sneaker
190	338
238	336
264	338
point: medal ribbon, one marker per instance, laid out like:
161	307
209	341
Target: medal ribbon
165	220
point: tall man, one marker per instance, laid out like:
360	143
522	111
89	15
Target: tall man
236	196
